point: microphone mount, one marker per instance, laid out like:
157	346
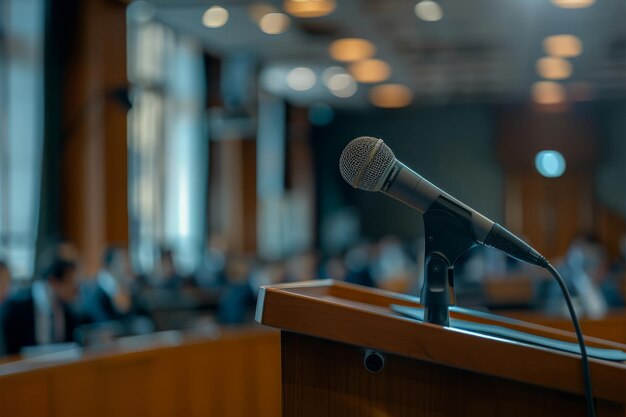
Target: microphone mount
448	235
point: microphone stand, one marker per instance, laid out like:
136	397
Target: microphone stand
448	234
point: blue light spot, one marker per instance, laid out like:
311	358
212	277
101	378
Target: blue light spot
550	164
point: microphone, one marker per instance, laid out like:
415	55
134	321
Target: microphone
369	164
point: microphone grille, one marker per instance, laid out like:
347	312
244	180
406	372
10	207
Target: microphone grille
364	161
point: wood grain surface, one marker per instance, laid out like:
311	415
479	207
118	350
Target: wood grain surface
324	378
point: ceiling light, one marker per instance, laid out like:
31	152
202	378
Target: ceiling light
573	4
329	72
552	68
565	46
309	8
342	85
274	23
301	79
351	49
548	92
428	11
391	95
215	17
370	70
339	81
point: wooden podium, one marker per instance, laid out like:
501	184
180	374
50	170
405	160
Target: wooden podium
329	328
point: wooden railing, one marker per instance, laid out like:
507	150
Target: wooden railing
233	373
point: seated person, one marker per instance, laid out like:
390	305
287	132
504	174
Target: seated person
109	296
165	274
584	269
236	300
42	314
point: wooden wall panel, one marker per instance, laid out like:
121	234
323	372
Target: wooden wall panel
549	212
611	229
249	197
232	197
94	153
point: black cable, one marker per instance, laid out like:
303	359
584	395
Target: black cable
591	410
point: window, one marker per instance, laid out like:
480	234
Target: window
168	143
21	130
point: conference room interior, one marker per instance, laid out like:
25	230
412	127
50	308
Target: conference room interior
160	160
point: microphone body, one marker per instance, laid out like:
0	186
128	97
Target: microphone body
410	188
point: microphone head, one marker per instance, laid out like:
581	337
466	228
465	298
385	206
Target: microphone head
364	163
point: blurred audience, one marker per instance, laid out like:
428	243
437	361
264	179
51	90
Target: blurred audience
42	314
225	286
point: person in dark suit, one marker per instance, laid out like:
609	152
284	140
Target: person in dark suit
42	314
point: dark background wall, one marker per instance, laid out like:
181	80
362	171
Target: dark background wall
611	173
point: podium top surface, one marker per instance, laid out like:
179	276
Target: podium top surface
362	316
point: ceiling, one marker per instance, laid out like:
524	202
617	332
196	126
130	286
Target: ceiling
482	50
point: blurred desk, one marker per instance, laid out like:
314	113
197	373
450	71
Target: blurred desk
611	327
510	290
223	372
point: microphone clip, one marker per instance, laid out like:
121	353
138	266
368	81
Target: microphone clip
448	235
